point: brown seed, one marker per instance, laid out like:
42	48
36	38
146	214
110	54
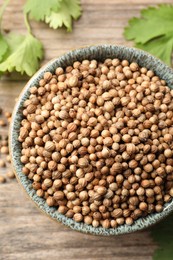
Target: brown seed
50	201
95	223
71	127
85	141
129	221
158	208
2	179
97	215
101	190
126	213
97	197
160	171
140	191
8	158
100	101
117	213
23	133
108	141
31	109
4	150
109	106
40	193
2	122
134	200
106	223
82	183
171	192
10	174
62	209
148	167
113	223
71	196
2	163
143	206
52	165
168	153
47	76
120	221
85	210
63	114
125	101
109	194
145	183
149	193
168	138
88	220
117	167
83	162
133	164
73	81
92	121
78	217
58	195
105	152
49	146
130	148
47	182
106	96
83	195
113	186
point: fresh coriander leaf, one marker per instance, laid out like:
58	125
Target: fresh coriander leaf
24	54
162	234
13	40
153	31
39	9
153	22
160	47
3	47
69	9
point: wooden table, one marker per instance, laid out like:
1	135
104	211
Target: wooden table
25	233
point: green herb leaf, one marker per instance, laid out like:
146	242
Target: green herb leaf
69	9
39	9
153	31
24	54
160	47
3	47
163	235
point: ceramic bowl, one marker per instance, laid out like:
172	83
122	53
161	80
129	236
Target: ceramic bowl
99	53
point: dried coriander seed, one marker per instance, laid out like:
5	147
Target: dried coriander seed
2	179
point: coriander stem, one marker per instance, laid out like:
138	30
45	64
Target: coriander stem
27	24
5	3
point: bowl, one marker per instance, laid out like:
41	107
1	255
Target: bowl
100	53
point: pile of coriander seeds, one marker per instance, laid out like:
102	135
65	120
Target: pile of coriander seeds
97	141
6	173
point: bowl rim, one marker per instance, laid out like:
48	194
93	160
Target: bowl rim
52	212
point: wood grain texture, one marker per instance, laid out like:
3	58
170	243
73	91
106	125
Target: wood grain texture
25	233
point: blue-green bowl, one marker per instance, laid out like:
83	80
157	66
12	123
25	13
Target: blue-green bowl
99	53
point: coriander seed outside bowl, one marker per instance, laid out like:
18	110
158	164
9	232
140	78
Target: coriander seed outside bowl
99	52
